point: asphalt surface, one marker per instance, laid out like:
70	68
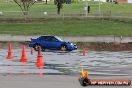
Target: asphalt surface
56	62
119	64
51	81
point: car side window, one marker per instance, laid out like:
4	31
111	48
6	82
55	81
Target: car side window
54	39
48	39
51	39
42	38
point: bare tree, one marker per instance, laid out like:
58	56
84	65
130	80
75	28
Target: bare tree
59	4
25	5
46	2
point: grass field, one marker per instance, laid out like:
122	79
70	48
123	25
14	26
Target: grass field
69	28
71	8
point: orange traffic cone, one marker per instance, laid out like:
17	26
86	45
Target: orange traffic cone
32	51
39	62
23	57
84	52
86	74
10	56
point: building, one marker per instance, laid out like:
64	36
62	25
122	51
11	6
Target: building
101	0
43	0
121	1
129	1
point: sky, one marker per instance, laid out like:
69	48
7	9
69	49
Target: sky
129	1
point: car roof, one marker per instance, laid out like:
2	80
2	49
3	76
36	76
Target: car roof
46	36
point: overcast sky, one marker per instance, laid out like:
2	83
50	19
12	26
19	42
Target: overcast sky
130	1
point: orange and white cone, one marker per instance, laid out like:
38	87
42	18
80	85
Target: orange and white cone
39	62
84	52
23	57
32	51
10	56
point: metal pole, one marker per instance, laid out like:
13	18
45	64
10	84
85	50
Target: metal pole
86	8
99	7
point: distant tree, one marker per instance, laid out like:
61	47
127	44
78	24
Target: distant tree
59	4
25	5
46	2
107	0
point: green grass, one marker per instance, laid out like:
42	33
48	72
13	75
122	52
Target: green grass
72	8
69	28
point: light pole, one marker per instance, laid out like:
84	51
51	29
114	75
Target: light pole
99	7
86	8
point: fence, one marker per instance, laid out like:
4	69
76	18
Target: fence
40	14
107	39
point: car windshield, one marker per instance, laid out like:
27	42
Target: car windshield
58	38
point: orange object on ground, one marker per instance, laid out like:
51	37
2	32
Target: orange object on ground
10	56
84	52
32	51
39	62
23	57
84	74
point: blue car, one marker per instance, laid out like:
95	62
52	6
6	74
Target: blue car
51	43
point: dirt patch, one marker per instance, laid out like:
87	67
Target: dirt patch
81	45
15	45
106	46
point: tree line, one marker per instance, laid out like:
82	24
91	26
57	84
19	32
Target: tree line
25	5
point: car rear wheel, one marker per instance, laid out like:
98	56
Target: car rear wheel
63	48
36	47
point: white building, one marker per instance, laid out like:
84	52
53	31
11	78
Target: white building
101	0
129	1
43	0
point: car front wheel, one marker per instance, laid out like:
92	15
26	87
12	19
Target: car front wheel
63	48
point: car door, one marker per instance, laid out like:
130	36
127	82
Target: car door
52	43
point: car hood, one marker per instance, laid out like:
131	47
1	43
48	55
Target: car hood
69	43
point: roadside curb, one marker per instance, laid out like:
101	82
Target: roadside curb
107	39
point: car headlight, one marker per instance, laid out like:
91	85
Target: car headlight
72	44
